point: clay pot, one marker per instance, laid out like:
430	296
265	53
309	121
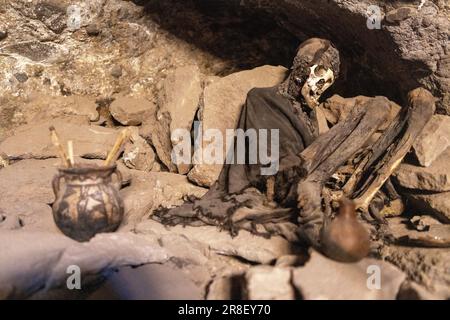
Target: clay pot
88	202
345	239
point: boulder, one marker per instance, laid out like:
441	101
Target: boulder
322	278
434	140
269	283
33	141
149	190
179	97
399	14
156	130
337	108
131	111
138	154
435	178
222	103
427	267
228	287
437	204
422	231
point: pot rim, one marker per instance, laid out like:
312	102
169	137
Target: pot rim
87	168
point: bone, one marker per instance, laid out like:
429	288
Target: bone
389	151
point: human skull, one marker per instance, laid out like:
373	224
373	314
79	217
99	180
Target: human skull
319	80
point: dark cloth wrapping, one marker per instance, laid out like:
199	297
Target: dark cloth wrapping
237	201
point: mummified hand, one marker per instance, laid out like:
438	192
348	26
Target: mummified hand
345	239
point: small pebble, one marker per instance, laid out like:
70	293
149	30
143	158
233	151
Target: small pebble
116	71
93	30
427	21
21	77
3	34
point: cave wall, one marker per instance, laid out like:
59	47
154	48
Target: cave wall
411	49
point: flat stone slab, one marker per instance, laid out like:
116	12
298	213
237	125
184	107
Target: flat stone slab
245	245
322	278
434	139
437	204
223	101
32	262
33	141
435	177
269	283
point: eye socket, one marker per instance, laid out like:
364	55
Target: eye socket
297	80
320	71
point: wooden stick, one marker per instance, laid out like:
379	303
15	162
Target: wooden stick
70	152
59	147
123	135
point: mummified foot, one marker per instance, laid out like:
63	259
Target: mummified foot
345	239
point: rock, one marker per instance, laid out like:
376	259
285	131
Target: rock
149	190
148	282
322	278
427	267
337	108
52	13
33	141
28	181
433	141
187	251
29	216
33	262
269	283
138	154
423	223
422	231
179	97
21	77
437	204
227	287
245	245
3	34
116	71
292	260
435	178
400	14
131	111
156	129
40	107
413	291
11	222
93	29
221	111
